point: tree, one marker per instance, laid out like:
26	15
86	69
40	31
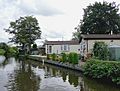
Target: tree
76	35
101	51
100	18
25	31
34	46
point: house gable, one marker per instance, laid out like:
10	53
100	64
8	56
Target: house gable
62	46
90	39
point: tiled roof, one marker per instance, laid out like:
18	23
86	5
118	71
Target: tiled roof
101	36
61	42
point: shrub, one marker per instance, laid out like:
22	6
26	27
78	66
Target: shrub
53	56
64	57
70	57
2	51
34	46
103	70
12	51
100	50
73	58
58	58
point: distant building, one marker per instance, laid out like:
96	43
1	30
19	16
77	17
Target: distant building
87	41
58	47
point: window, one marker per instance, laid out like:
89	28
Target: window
68	47
65	47
50	49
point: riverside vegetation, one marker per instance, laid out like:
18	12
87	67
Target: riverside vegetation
106	70
8	51
65	58
99	68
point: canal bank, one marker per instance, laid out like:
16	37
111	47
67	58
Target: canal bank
56	63
30	75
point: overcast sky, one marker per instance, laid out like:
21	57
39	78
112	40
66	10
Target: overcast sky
57	18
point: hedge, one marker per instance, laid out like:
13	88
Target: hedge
73	58
64	57
2	51
70	58
103	70
54	56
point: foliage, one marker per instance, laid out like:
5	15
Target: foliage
2	51
12	51
53	56
25	31
8	51
73	58
100	18
34	46
64	57
103	70
100	50
76	58
70	57
3	46
76	35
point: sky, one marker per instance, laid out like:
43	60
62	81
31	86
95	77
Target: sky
57	18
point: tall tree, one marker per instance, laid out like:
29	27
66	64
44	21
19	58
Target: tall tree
76	35
25	31
100	18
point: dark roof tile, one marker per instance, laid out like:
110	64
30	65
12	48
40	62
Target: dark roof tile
100	36
61	42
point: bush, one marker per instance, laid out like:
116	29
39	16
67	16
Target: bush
11	51
70	57
76	58
64	57
73	58
53	56
2	51
103	70
100	50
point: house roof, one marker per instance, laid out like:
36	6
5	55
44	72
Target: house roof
100	36
61	42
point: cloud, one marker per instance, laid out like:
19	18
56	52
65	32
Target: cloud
37	7
11	10
60	17
53	34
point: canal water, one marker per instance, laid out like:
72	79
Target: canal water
29	75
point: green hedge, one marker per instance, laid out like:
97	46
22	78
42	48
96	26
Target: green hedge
103	70
2	51
70	57
73	58
54	56
11	51
64	57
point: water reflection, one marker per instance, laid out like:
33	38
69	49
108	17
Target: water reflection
28	75
23	79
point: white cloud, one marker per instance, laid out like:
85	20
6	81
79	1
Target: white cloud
57	18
